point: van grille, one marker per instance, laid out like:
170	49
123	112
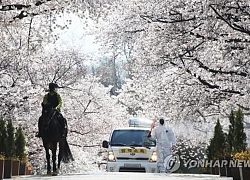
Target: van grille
126	169
127	158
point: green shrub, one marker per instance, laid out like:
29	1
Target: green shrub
12	143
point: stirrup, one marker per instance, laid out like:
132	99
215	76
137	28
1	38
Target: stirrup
38	135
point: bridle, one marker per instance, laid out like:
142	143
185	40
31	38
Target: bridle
50	118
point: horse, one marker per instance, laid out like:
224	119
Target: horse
51	135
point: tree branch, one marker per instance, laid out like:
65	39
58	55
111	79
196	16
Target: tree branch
77	132
233	26
29	32
95	145
163	20
24	9
201	65
11	7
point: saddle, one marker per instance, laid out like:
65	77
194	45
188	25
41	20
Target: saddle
48	116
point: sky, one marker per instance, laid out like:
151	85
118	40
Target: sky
77	35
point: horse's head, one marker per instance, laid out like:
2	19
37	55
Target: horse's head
47	111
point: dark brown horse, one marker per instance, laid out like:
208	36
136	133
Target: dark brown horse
52	135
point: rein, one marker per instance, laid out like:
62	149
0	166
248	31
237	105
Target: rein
51	118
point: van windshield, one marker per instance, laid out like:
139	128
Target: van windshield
131	138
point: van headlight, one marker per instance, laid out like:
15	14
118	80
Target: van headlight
153	157
111	156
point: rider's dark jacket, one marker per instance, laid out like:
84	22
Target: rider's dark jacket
54	99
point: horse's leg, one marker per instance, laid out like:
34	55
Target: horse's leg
60	152
59	158
48	160
54	158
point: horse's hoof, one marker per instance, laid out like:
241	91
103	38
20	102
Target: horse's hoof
48	172
54	173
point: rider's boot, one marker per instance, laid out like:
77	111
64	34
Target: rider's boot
39	128
39	133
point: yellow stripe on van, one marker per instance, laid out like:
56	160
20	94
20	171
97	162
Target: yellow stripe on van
139	151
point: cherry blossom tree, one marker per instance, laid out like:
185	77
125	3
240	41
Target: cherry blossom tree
190	57
187	59
28	28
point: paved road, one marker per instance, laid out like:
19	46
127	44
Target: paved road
123	176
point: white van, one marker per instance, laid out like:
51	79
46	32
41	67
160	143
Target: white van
130	150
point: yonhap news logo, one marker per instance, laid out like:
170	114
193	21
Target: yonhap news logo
205	163
172	163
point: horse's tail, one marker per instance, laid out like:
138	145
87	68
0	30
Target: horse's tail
66	153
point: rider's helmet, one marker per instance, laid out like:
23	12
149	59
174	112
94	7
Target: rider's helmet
53	86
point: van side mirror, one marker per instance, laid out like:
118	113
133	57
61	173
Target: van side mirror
105	144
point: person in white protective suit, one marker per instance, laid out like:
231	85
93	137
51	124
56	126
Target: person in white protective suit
165	142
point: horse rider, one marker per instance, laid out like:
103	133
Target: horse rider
54	99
